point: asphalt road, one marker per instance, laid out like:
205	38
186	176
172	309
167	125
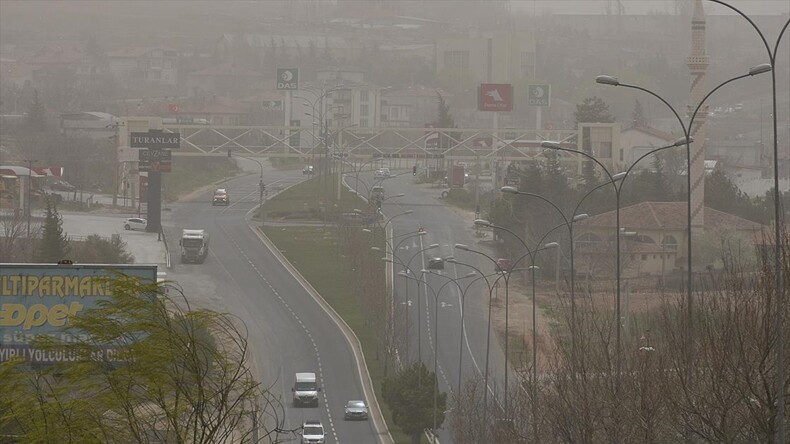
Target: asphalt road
288	331
446	228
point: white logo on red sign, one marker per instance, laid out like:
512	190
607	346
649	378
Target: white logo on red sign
495	97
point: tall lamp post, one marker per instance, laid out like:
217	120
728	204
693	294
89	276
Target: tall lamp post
779	289
436	333
613	81
261	185
419	301
27	199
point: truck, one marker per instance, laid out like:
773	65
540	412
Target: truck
194	246
305	390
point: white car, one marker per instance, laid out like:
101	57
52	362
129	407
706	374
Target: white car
135	223
381	173
312	432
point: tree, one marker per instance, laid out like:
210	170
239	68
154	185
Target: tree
593	110
99	250
54	244
174	376
445	120
723	195
638	119
408	394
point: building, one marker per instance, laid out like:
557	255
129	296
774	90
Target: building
638	141
660	241
410	107
226	79
142	67
497	57
91	124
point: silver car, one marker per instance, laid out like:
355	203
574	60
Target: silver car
356	410
135	223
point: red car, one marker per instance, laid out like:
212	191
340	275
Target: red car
220	198
503	265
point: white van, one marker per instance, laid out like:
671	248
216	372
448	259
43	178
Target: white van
305	390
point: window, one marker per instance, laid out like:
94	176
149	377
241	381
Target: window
644	257
363	95
394	113
456	59
670	243
156	63
168	64
363	123
363	109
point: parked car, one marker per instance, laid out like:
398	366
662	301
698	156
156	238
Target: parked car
356	410
61	185
503	265
312	432
135	223
436	263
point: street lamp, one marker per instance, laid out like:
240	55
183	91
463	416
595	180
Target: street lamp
617	181
436	334
614	81
261	185
419	301
779	289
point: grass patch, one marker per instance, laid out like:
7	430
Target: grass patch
313	199
191	173
317	254
286	163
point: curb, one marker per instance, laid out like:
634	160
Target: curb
367	384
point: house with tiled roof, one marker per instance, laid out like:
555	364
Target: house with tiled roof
656	235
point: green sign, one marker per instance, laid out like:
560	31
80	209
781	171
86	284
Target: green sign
287	78
539	95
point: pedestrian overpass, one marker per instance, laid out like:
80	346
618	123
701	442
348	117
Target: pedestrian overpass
455	144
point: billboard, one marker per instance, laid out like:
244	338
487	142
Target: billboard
495	97
155	139
39	299
287	78
539	95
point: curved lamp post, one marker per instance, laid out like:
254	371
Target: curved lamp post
436	332
614	81
779	289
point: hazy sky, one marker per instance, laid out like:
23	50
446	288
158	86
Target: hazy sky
647	6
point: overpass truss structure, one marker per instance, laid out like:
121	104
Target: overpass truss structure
460	144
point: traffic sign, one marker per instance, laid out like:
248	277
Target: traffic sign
287	78
539	95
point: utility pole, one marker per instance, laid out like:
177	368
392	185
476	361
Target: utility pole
28	205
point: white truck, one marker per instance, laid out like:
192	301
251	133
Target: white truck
305	390
194	246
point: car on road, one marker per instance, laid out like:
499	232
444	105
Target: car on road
356	410
220	197
503	265
135	223
305	390
312	432
436	263
381	173
61	185
307	170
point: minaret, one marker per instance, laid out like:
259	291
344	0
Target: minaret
698	64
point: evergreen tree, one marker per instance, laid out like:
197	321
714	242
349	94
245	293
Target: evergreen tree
662	189
445	120
54	244
638	119
410	397
593	110
723	195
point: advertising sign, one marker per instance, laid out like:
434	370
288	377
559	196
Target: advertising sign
287	79
539	95
39	299
495	97
155	161
156	139
431	137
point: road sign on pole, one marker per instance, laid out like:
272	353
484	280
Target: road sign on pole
539	95
287	78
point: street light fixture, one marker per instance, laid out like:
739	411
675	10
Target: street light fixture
614	81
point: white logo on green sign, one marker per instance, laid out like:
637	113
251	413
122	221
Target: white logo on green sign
539	95
287	78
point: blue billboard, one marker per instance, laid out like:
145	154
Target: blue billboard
39	299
